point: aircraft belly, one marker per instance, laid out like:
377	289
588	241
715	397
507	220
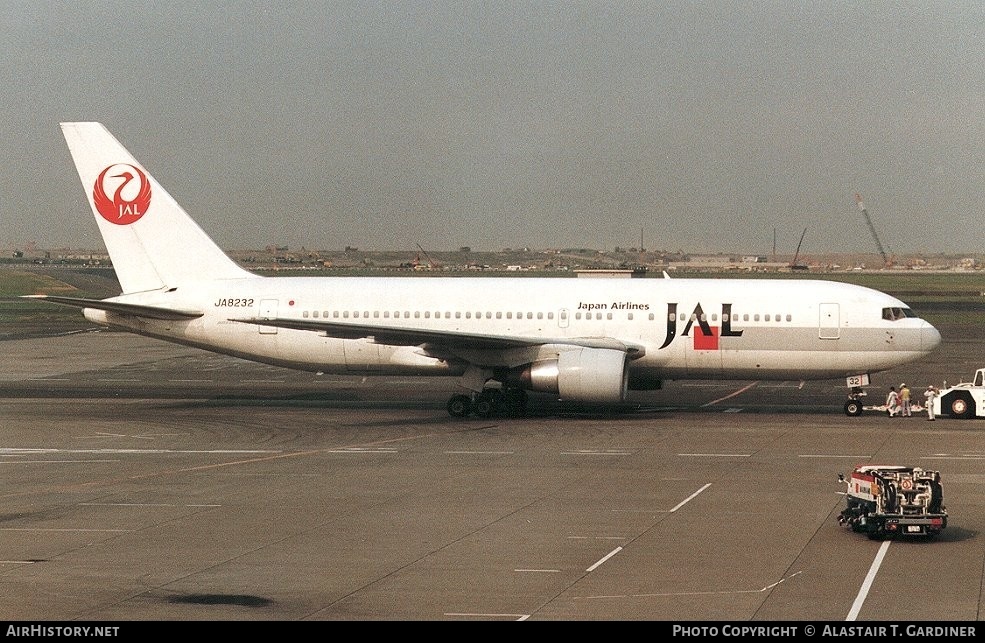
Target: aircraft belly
361	355
704	363
801	353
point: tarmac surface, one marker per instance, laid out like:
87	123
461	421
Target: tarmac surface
145	481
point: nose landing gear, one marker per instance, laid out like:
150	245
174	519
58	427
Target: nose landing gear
853	407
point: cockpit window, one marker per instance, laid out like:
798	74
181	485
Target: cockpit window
893	314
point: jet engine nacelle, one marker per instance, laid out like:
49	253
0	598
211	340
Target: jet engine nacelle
583	374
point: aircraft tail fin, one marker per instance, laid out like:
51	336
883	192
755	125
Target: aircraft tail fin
151	240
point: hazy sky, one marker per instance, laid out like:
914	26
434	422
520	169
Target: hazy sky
384	125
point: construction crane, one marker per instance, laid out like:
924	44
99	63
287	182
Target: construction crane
793	264
432	265
872	229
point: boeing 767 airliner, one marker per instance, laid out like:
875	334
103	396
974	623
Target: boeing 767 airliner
586	340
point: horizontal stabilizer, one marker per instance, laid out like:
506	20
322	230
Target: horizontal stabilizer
137	310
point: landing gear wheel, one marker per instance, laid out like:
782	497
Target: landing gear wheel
960	407
853	408
487	402
483	407
459	406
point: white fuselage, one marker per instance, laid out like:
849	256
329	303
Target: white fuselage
688	328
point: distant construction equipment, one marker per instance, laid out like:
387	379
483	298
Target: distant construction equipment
793	264
865	213
432	265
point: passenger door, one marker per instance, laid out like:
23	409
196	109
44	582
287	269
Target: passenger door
829	322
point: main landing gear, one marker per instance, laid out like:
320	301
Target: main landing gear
488	402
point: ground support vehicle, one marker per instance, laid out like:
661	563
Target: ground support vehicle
964	400
886	501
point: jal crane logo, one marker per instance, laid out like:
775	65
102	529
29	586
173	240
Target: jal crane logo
120	209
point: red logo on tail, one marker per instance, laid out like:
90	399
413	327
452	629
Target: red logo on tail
121	210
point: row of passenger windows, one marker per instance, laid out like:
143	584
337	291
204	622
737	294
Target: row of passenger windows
564	315
427	314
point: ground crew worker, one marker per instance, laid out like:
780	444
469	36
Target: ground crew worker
931	395
904	396
892	401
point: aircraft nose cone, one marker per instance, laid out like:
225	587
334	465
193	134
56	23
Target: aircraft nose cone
930	338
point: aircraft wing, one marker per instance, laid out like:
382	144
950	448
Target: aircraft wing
449	339
137	310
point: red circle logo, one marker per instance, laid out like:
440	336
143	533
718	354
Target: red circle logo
130	199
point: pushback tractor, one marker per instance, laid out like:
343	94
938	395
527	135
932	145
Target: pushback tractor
963	401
